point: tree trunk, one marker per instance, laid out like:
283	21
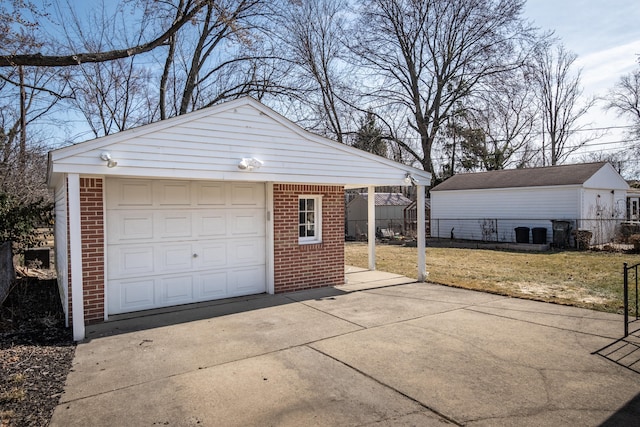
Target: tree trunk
7	272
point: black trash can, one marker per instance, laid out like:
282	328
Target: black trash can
522	234
539	235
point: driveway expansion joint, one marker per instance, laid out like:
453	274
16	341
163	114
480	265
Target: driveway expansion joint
395	390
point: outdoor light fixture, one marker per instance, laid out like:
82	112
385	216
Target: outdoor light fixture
409	179
250	164
106	156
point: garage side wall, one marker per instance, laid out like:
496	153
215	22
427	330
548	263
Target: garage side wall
305	266
92	232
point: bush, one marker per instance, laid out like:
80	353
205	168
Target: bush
634	239
19	221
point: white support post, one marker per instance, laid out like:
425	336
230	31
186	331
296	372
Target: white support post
371	232
75	255
270	241
420	229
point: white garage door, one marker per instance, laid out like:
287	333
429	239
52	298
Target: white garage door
177	242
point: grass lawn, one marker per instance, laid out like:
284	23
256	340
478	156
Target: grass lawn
584	279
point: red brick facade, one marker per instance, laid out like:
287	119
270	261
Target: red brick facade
92	234
307	266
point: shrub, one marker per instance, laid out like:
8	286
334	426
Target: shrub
634	239
19	221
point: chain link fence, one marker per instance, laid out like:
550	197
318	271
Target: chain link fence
579	233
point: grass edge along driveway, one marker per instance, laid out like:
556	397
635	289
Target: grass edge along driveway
589	279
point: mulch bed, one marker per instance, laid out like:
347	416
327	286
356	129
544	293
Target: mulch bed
36	351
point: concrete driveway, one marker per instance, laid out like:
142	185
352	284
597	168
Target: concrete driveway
378	351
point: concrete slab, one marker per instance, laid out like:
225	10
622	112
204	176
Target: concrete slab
472	366
357	279
368	309
437	293
232	332
410	354
571	318
293	387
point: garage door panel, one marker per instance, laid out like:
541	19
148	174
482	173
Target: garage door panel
212	285
246	194
247	281
210	223
131	295
173	224
130	261
246	222
174	257
245	251
172	193
211	255
176	290
130	192
210	194
129	226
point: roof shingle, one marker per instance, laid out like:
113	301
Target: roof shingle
528	177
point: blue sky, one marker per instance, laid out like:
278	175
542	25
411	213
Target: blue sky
606	36
604	33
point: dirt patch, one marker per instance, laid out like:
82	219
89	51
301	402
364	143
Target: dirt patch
36	351
560	292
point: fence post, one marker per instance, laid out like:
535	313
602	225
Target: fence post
626	301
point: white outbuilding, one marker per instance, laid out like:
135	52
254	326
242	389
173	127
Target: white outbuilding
539	205
227	201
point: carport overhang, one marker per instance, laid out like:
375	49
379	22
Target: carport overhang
420	227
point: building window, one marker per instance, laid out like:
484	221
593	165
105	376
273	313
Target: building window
309	219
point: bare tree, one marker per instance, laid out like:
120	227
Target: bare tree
506	112
113	95
560	98
429	56
220	56
21	147
313	32
624	99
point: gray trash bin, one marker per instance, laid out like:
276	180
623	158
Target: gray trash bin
561	230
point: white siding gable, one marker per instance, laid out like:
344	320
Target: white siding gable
606	178
209	144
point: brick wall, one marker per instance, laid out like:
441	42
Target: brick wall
297	266
92	234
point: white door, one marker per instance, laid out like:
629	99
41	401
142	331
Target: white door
178	242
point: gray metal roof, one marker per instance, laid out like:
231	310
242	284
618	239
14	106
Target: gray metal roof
528	177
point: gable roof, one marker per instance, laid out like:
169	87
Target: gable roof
209	143
576	174
388	199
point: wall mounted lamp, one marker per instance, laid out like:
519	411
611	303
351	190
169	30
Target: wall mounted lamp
409	179
250	164
106	156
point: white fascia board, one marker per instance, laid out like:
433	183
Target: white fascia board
212	175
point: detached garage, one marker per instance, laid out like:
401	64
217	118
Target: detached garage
491	205
226	201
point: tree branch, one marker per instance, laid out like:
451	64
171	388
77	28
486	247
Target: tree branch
40	60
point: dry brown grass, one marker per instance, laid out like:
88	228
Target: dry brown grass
584	279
